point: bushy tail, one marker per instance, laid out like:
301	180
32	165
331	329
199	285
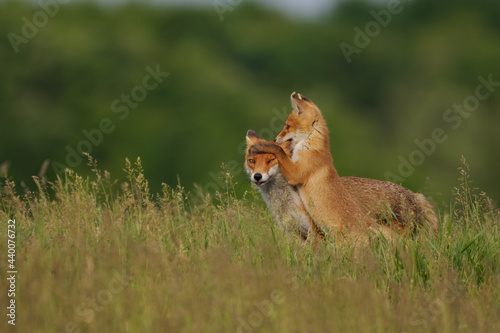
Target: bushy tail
428	220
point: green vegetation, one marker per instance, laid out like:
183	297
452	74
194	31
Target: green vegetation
226	77
185	246
104	256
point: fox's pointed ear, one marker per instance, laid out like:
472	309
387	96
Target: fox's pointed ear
296	107
252	137
301	104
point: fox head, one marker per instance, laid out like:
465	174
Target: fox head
260	167
304	123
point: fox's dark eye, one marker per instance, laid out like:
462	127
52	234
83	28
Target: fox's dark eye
287	127
251	160
271	160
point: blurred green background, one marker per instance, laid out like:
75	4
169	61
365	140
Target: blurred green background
232	66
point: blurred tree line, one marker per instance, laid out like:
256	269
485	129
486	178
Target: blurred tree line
179	88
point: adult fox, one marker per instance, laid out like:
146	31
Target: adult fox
282	198
333	201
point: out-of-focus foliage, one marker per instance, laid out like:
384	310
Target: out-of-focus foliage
228	76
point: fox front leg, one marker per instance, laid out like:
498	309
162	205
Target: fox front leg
266	148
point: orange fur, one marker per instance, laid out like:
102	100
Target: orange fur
389	204
281	197
311	169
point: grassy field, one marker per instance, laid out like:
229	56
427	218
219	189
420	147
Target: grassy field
97	255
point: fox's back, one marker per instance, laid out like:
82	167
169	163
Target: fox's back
387	202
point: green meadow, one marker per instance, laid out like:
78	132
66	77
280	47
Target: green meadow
172	242
94	254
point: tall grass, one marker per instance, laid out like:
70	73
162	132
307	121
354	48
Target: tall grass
97	255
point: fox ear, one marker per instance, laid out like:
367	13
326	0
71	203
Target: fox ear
295	106
252	137
252	134
302	104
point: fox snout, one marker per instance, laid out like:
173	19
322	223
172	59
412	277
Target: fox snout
288	139
260	179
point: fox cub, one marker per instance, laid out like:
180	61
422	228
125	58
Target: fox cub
281	197
331	200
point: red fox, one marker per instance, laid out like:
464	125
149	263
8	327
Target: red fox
334	200
311	169
281	197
